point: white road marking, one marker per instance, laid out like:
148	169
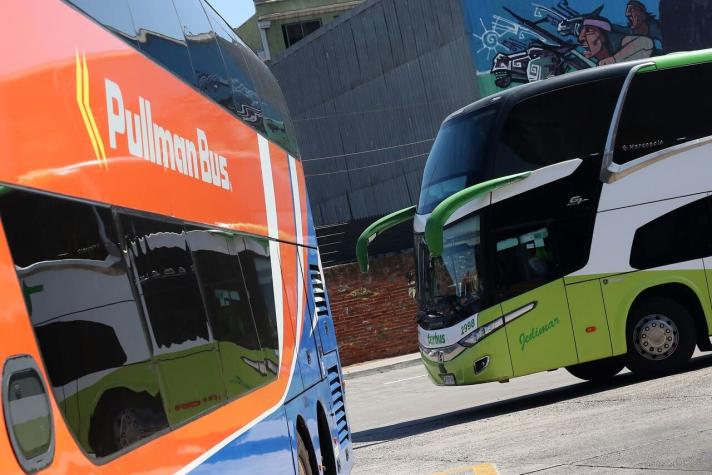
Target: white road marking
405	379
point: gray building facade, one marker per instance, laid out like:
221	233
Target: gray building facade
367	93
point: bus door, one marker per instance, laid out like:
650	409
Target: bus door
536	238
534	306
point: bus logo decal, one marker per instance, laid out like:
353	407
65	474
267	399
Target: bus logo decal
436	339
156	144
536	332
82	73
576	200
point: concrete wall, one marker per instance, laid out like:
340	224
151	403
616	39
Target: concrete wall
368	93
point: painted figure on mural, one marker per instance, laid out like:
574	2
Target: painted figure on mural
557	39
594	38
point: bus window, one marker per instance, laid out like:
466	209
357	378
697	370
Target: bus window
277	122
161	36
457	159
227	302
254	255
652	121
557	126
529	256
678	236
167	281
188	363
28	416
113	14
247	103
88	326
204	53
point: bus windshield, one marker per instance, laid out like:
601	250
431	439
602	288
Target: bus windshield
457	159
449	286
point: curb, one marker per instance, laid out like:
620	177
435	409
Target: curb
359	373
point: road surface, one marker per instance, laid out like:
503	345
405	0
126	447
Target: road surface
549	423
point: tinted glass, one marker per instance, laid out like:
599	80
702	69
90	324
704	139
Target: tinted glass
537	236
277	122
247	104
167	282
451	284
161	36
113	14
653	121
82	307
205	55
457	159
678	236
227	301
257	271
557	126
29	410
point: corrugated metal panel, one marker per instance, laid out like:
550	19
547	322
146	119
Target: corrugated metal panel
368	93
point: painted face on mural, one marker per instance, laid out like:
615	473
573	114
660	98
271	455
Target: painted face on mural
637	18
594	41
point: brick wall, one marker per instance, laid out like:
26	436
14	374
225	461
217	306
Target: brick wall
373	314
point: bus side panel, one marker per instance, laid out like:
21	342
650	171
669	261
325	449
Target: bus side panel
319	302
308	353
620	292
50	143
264	448
542	338
588	317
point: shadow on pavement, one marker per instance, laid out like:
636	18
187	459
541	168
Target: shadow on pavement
530	401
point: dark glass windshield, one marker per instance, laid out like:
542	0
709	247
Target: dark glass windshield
449	286
457	159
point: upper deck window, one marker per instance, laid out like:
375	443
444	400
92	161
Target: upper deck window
247	103
210	75
457	159
663	109
161	37
557	126
114	14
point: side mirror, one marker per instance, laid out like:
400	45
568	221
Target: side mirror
436	222
377	228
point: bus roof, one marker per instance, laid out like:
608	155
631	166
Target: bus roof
524	91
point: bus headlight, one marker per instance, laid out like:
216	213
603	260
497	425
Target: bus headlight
477	335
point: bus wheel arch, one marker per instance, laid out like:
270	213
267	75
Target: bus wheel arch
328	460
305	441
662	329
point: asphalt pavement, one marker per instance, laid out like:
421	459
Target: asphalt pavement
550	423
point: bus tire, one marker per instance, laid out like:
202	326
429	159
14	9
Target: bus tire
597	371
303	464
661	337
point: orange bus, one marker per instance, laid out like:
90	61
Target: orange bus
164	307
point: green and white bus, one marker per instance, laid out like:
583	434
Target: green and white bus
568	223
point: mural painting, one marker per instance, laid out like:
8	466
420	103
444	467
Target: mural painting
520	41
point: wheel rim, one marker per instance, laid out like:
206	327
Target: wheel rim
656	337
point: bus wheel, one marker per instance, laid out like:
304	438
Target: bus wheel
661	337
597	371
304	467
